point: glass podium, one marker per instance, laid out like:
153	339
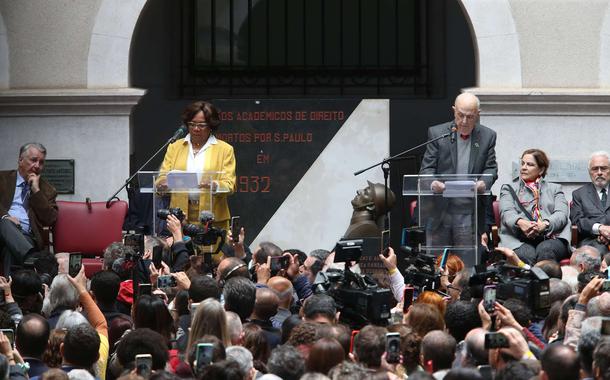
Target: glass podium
449	212
181	189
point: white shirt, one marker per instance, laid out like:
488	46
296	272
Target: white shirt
17	208
195	162
599	192
595	228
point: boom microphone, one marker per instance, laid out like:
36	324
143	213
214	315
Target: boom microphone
180	133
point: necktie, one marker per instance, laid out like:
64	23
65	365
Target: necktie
604	197
25	189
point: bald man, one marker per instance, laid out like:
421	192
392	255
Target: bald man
230	267
283	288
32	337
559	362
475	346
599	306
265	307
470	148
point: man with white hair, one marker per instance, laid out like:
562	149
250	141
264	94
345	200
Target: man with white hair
586	259
468	148
27	205
590	210
235	327
244	358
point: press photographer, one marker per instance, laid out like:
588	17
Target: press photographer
205	234
529	285
175	251
359	298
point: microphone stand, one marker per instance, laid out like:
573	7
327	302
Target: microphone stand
385	166
114	196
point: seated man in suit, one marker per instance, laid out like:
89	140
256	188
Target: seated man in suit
27	204
590	210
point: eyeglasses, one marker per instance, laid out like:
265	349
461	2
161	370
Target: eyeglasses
454	288
198	125
596	169
463	116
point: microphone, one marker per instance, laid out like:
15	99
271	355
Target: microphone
453	133
180	133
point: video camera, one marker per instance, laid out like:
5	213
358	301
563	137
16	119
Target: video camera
203	234
175	211
359	297
419	267
528	285
531	286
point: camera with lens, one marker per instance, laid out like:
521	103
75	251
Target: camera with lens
529	285
205	233
359	298
414	239
175	211
419	267
585	277
421	272
202	235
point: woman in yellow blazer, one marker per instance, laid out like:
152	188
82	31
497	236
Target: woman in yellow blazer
201	151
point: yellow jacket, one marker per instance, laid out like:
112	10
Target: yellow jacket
218	157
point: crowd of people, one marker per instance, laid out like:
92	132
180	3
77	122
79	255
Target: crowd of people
261	314
243	321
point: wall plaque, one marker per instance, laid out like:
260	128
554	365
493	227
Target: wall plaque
60	174
563	171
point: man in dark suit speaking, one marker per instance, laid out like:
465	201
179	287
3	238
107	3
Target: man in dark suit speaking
470	149
590	210
27	204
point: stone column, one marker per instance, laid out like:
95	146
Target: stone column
64	82
543	75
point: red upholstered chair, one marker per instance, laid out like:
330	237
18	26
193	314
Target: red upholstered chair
88	227
496	207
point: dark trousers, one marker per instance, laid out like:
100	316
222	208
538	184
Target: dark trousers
14	244
456	231
551	249
602	248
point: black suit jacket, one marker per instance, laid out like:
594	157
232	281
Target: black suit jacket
37	367
587	210
42	207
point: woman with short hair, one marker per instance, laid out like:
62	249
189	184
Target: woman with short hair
534	213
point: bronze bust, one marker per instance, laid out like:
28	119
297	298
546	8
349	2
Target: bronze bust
369	209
